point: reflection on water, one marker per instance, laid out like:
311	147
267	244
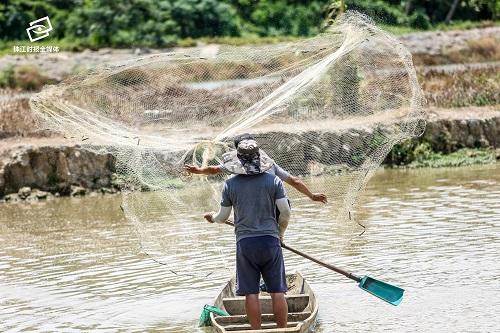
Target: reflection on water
75	263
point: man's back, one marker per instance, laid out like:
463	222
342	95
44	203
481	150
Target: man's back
254	202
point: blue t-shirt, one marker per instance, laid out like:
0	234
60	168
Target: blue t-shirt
254	204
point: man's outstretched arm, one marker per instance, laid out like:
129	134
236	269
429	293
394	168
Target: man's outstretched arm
296	183
299	185
209	170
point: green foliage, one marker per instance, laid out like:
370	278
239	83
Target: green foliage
123	24
462	157
403	153
205	18
419	20
379	10
274	18
414	154
15	16
160	23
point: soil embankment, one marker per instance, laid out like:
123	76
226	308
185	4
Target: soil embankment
49	165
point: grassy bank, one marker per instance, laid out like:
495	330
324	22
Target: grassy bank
477	87
412	154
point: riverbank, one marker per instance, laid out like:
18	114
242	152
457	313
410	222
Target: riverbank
38	168
29	165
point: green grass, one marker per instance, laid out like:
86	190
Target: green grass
461	157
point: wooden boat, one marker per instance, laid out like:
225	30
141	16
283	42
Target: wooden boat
302	309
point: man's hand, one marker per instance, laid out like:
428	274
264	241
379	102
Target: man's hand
319	197
191	168
302	188
209	217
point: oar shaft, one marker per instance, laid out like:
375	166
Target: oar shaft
333	268
324	264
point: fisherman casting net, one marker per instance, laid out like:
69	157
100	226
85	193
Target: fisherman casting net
329	108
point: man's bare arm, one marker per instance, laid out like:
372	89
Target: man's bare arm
296	183
209	170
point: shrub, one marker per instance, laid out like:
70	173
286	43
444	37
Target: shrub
28	77
379	10
205	18
123	24
7	78
419	20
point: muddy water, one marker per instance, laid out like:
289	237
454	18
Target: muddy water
74	264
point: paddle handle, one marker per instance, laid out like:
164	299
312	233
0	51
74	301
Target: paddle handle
324	264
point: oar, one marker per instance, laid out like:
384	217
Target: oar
385	291
382	290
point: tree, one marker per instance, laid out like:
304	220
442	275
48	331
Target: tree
199	18
451	12
123	24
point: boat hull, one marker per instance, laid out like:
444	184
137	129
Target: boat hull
302	309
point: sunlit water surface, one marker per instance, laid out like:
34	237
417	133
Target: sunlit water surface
75	264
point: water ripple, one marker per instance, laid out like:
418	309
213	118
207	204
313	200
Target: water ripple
76	265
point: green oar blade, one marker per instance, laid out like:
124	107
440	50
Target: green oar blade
382	290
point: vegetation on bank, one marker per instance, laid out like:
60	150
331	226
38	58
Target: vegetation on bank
415	154
23	77
150	23
476	87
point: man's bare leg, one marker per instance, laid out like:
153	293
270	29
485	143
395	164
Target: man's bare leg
280	309
252	307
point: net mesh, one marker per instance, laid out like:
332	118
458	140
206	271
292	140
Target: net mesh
328	108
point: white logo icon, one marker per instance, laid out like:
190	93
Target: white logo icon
39	31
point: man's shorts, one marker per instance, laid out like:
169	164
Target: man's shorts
256	256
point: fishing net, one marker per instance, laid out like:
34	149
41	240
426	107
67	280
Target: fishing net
328	108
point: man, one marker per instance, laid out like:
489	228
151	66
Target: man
295	182
255	196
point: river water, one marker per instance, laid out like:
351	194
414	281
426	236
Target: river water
74	264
